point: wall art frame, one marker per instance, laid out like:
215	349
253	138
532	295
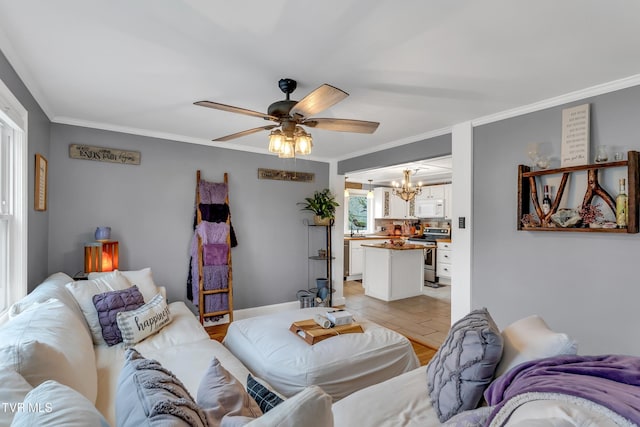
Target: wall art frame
40	182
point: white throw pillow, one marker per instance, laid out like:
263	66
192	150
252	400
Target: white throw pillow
138	324
47	341
143	279
13	389
531	338
310	408
83	292
52	404
51	287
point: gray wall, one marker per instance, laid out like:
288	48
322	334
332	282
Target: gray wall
585	284
150	208
38	140
426	149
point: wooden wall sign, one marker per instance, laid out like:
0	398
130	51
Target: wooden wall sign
575	136
103	154
281	175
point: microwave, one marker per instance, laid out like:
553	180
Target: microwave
430	208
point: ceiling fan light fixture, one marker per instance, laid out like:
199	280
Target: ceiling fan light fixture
290	139
303	142
288	149
276	141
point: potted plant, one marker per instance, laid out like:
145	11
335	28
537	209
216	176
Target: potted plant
323	205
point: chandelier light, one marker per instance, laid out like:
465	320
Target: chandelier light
406	191
289	141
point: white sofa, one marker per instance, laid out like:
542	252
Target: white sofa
45	337
50	317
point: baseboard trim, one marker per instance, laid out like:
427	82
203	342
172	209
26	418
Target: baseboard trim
246	313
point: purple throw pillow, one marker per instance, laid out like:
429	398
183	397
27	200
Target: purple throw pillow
109	304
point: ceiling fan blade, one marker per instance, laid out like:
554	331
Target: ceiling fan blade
245	133
319	100
232	109
342	125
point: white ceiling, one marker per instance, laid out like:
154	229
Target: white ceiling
430	171
416	66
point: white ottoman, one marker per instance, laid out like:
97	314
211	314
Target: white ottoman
339	365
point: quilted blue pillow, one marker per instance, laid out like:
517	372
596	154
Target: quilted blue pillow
464	364
109	304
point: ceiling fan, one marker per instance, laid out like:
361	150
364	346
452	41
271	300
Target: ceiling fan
288	114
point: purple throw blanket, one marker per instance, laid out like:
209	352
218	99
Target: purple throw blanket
612	381
212	192
212	232
215	254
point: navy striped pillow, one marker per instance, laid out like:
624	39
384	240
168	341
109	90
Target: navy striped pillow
265	398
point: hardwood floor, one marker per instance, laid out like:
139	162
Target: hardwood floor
425	319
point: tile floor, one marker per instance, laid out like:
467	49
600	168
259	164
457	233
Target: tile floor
424	318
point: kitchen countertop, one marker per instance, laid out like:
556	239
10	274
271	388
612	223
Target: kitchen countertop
374	236
407	247
443	240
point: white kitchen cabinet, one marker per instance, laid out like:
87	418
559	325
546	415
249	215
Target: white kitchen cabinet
391	274
448	198
433	192
388	206
356	255
443	263
381	202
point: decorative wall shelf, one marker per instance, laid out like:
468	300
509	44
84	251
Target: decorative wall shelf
528	194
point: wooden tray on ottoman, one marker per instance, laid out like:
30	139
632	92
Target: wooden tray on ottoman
312	333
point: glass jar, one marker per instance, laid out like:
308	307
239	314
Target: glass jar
601	154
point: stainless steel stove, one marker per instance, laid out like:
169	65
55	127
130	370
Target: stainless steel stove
428	239
432	234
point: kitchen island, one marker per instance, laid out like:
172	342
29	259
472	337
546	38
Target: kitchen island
393	272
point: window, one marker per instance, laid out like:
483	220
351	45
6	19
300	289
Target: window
13	199
359	217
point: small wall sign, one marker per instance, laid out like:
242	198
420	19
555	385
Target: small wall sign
103	154
575	136
281	175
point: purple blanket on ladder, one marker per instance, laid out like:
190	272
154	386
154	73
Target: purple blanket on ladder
213	277
212	192
612	381
215	271
215	254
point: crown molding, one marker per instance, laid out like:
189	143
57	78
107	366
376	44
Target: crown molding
600	89
397	143
23	74
169	137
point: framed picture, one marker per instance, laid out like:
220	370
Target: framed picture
41	183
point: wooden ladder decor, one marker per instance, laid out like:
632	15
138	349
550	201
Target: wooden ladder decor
201	286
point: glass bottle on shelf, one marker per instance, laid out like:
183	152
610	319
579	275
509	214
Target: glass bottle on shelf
621	205
601	154
546	201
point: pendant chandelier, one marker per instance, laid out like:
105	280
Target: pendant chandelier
370	192
405	190
289	141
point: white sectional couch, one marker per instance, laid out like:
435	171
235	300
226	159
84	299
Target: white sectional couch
45	337
49	365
